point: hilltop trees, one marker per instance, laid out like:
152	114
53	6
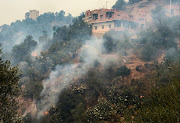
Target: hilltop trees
79	30
161	36
67	40
120	3
12	34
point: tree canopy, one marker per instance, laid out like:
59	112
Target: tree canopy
9	91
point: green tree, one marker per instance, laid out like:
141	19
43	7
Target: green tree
109	42
123	45
60	15
100	112
148	52
163	105
69	108
123	71
79	30
119	5
9	91
21	51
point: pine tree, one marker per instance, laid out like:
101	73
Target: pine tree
9	90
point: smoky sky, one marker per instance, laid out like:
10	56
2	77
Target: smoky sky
12	10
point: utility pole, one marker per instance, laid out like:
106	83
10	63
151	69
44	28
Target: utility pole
170	6
106	4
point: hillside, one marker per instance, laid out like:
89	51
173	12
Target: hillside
74	77
13	34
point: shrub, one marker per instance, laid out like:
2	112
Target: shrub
123	71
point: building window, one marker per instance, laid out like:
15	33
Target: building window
95	27
95	16
141	19
110	15
131	16
109	26
102	26
101	16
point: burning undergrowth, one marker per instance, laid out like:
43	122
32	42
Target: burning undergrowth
63	75
135	53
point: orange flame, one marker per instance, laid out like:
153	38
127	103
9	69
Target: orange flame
46	113
34	54
141	96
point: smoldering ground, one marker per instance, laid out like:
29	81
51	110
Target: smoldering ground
91	51
94	50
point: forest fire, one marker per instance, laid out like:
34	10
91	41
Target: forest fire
34	54
118	64
141	96
46	113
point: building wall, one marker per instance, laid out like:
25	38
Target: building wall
138	14
125	25
97	28
116	25
33	14
103	20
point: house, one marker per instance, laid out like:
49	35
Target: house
130	20
103	20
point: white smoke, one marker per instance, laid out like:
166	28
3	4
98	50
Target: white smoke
63	75
126	1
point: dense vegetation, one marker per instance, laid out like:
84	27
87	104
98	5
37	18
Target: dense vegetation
121	3
108	99
14	33
105	96
9	92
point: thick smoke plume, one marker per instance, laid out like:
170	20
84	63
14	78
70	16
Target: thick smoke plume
90	52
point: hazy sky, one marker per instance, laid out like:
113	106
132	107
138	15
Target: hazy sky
12	10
